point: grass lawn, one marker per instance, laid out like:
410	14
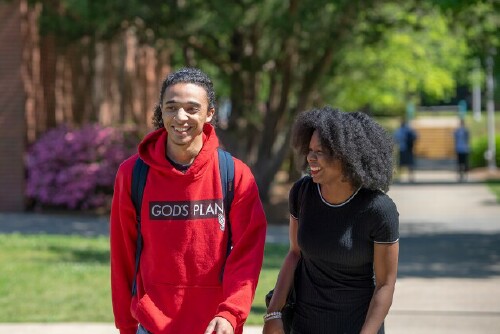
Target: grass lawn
494	185
273	258
66	279
54	279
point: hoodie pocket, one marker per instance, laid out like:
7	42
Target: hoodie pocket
180	309
150	314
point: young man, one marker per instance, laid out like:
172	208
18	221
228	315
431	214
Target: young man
185	282
461	137
405	138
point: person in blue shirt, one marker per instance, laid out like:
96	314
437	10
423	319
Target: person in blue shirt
405	138
462	149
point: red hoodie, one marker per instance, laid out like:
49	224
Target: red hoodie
178	284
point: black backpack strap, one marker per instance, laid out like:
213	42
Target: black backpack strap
139	175
226	170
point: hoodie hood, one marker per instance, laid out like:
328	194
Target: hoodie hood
152	151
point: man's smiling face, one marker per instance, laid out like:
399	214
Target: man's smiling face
184	112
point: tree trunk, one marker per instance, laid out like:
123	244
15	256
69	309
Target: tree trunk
48	58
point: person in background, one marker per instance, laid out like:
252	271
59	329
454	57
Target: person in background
462	149
179	284
405	138
344	228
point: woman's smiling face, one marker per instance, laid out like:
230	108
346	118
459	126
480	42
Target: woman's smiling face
324	167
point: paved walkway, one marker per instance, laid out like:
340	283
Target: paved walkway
449	270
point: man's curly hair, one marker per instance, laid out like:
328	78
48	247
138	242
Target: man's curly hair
361	144
184	75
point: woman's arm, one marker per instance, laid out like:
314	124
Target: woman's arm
285	280
386	269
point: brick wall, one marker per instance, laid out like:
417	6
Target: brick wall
12	121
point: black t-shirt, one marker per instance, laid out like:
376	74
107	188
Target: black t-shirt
335	280
180	167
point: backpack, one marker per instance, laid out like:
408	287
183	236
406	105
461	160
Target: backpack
139	176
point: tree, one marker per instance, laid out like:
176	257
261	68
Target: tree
270	56
419	53
273	59
479	22
82	64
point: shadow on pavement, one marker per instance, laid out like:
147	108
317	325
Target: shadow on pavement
32	223
463	255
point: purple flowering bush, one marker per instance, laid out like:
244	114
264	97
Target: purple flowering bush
75	168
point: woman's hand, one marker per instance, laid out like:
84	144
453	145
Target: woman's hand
274	326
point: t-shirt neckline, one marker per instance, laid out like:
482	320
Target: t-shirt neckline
340	204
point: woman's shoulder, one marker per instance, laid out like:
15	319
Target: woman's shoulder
302	180
298	188
377	199
380	208
300	183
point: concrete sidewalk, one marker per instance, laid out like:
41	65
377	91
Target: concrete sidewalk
449	267
77	328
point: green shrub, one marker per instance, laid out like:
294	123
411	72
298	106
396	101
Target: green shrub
479	147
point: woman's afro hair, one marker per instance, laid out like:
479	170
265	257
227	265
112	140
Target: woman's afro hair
364	148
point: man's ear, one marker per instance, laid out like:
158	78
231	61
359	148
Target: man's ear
210	114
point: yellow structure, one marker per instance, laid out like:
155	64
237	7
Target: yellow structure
435	137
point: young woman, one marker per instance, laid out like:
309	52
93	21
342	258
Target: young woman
344	228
